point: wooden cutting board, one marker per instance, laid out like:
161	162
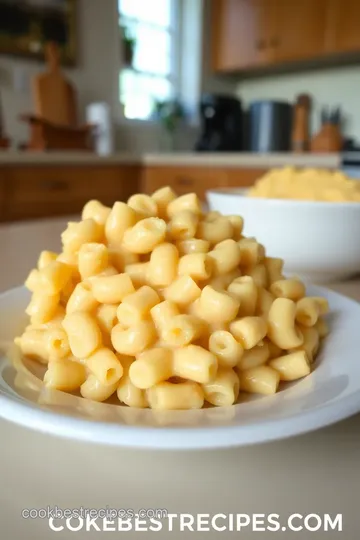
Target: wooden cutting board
54	95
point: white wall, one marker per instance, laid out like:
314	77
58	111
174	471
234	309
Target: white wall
95	79
332	87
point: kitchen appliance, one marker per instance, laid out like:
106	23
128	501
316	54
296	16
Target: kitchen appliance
222	128
270	125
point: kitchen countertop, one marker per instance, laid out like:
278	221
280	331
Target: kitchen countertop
9	157
248	160
314	473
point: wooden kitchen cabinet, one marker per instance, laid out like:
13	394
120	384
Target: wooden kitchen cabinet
183	179
243	178
241	33
42	191
300	30
252	34
197	179
233	28
343	26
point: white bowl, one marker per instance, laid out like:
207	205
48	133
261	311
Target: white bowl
319	241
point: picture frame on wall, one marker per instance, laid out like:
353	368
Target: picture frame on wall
27	25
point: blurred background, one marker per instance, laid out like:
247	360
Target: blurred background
131	54
273	78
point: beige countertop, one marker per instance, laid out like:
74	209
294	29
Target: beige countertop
10	157
315	473
240	160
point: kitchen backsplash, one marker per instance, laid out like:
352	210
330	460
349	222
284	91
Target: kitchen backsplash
332	87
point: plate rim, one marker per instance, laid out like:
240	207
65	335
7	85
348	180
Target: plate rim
178	438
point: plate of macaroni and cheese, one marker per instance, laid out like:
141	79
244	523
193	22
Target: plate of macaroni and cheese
308	217
161	325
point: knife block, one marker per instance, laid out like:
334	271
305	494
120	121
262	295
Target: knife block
327	140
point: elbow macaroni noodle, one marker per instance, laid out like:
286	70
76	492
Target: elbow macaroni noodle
165	306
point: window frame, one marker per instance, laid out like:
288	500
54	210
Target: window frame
174	77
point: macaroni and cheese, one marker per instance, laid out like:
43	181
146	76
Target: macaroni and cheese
307	185
166	306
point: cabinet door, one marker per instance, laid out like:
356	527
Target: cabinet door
243	178
301	29
344	26
184	179
243	33
234	33
50	191
266	15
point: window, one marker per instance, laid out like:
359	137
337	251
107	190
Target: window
152	72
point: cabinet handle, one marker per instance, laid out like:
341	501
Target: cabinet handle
260	44
55	185
274	42
184	181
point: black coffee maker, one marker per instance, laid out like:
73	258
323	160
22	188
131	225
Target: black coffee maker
221	124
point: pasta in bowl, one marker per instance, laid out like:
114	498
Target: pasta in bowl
161	305
306	185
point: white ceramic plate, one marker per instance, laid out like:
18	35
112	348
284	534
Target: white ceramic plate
331	393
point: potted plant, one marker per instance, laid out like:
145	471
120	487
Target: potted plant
128	46
169	113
